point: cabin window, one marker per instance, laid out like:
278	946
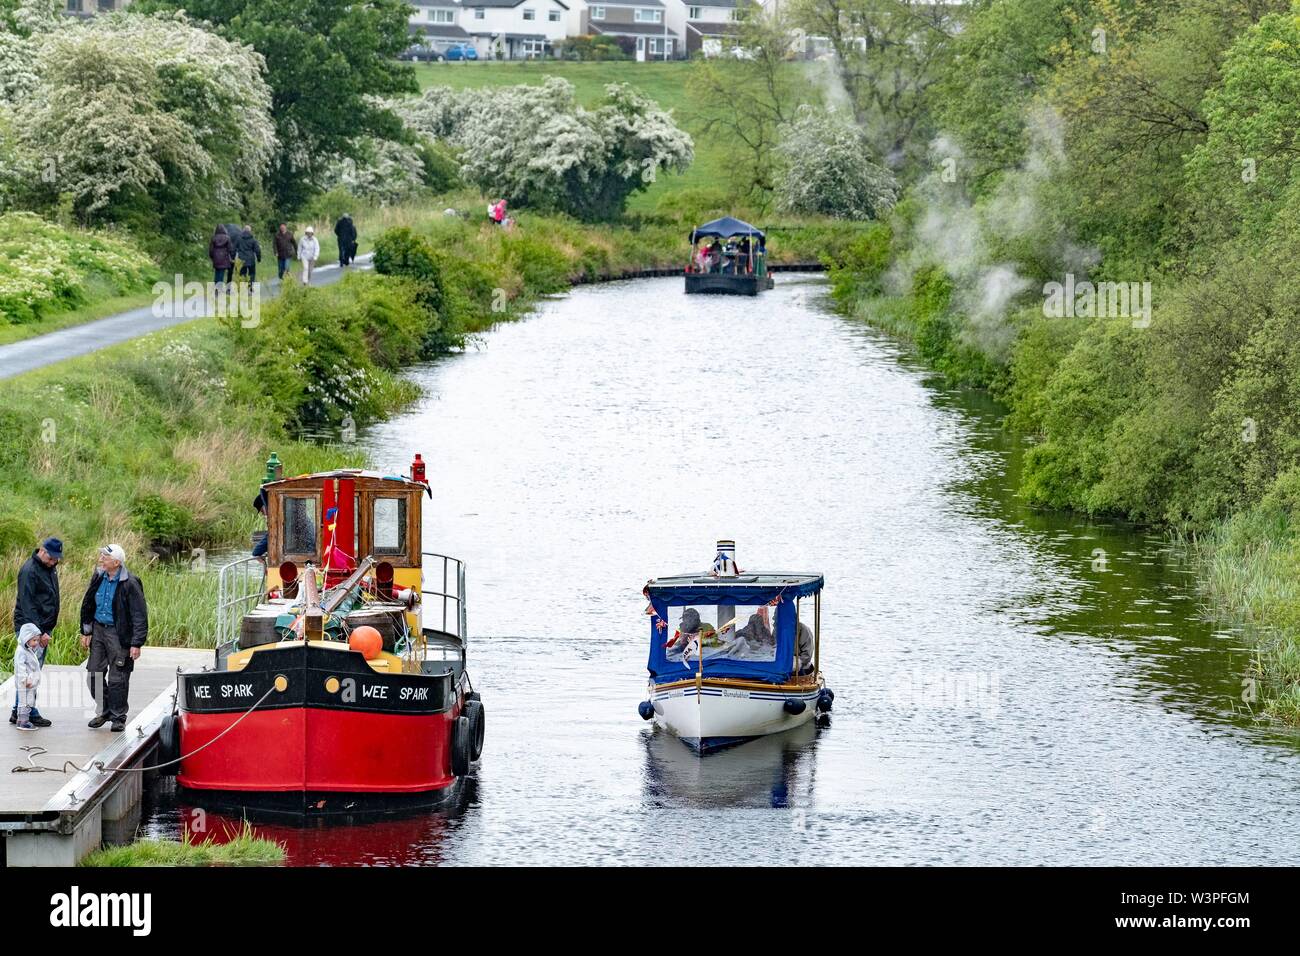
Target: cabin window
388	526
724	632
299	522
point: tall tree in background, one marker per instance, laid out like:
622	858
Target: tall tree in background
887	55
1133	102
1002	58
327	63
748	98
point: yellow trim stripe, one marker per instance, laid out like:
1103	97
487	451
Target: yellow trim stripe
802	683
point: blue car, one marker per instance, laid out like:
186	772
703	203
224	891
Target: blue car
459	51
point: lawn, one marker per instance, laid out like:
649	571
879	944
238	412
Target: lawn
666	82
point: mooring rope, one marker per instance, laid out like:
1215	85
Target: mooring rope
33	752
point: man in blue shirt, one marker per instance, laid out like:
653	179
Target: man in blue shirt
114	626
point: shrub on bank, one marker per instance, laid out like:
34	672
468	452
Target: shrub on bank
45	269
322	356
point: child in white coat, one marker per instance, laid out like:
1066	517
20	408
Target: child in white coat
27	672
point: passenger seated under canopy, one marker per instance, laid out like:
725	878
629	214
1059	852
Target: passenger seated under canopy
694	636
804	647
692	629
755	640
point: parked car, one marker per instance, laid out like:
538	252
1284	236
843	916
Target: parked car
418	53
459	51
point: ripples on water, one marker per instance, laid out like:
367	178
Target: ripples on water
1003	697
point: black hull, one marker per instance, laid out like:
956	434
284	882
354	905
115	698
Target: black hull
306	805
709	283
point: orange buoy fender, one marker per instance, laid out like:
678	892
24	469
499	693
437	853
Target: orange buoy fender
367	640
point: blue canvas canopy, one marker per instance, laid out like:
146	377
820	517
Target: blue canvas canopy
725	228
750	590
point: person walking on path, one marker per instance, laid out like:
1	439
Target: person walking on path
250	254
27	674
286	248
222	253
308	253
38	605
346	233
114	626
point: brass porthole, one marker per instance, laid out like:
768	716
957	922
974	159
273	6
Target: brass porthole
332	685
281	683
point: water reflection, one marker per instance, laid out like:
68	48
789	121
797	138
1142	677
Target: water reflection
406	839
774	771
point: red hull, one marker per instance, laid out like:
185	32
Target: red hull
318	749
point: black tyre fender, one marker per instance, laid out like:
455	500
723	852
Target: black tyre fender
169	745
461	746
477	721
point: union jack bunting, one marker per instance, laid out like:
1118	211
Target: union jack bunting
724	565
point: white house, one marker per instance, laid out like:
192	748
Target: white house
704	26
435	24
515	29
649	23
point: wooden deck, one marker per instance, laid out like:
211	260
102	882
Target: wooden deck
56	816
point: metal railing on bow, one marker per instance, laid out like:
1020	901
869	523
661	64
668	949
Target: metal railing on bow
443	595
240	586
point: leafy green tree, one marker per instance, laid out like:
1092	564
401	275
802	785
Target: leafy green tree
328	62
746	100
888	53
1131	98
1000	61
1241	171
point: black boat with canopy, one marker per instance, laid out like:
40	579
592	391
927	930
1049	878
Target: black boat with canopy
728	257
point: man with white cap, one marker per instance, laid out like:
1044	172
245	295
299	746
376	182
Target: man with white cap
114	626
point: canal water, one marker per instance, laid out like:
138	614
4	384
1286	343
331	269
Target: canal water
1012	687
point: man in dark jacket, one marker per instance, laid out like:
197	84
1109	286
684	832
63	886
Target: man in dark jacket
114	626
250	254
38	603
222	253
286	248
346	233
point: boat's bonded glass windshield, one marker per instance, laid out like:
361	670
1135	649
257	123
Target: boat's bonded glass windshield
389	526
300	519
721	632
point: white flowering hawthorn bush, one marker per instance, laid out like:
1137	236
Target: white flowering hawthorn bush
44	268
826	168
385	172
134	117
536	146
